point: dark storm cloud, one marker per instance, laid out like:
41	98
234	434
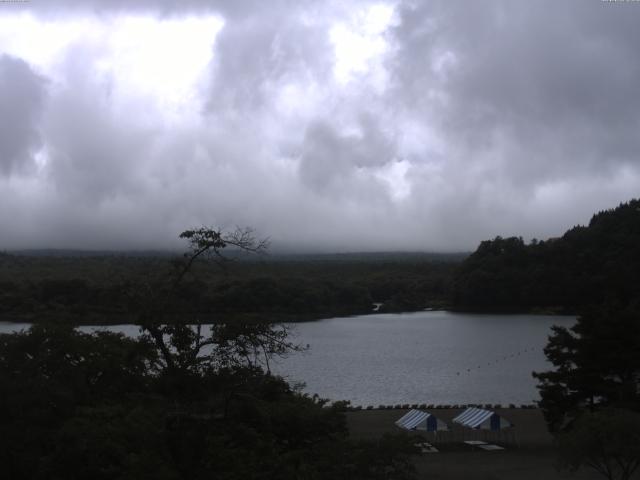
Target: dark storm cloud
256	54
22	95
551	84
95	152
475	119
535	102
330	158
230	9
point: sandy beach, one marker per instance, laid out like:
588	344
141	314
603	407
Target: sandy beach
531	455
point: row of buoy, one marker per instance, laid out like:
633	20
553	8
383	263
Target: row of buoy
501	359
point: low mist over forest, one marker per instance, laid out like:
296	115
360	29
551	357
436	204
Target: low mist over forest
585	265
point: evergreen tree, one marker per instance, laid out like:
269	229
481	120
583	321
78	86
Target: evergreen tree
597	364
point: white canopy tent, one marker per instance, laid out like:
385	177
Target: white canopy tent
480	419
422	421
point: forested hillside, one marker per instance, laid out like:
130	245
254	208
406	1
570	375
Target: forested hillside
104	288
585	266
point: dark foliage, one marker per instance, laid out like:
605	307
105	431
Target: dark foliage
607	441
80	406
102	290
597	364
585	266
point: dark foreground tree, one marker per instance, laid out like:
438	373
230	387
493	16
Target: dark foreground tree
597	364
607	441
191	343
94	406
182	401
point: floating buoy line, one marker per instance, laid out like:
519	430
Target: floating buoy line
499	360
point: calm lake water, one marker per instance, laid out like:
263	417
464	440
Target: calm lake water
423	357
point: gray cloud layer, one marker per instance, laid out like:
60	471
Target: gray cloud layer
22	93
479	119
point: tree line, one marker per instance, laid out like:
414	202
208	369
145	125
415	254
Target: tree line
102	289
586	266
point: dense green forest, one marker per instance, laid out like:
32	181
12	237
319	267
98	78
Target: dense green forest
585	266
103	288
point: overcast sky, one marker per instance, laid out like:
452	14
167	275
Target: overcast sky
324	125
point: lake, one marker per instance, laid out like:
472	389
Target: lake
423	357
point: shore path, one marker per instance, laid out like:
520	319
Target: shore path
530	457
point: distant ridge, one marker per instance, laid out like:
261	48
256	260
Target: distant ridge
385	256
369	257
65	252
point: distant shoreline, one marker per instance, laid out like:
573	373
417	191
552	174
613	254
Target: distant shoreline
93	319
128	319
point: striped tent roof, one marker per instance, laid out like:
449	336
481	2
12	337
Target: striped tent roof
419	420
482	419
